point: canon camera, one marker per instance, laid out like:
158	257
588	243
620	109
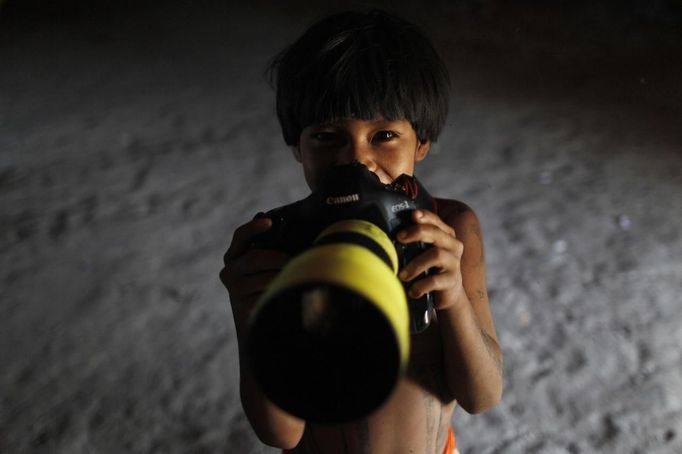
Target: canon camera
329	337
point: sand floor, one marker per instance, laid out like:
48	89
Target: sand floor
132	145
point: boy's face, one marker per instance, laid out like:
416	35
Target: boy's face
387	148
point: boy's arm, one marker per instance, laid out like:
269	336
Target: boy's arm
246	274
272	425
473	360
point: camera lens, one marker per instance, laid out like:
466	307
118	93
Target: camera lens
330	337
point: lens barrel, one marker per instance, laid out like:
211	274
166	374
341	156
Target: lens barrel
329	338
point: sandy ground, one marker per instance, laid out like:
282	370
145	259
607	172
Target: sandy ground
133	142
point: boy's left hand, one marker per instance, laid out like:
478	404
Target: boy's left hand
444	258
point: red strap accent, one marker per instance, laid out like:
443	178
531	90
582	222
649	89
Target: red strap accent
410	188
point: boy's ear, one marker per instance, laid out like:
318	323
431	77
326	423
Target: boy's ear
422	150
296	151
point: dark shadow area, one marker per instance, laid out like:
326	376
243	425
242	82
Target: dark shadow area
617	55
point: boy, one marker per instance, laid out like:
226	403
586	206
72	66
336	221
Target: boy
369	87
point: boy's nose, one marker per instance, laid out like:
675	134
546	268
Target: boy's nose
360	152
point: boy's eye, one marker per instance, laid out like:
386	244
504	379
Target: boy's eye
325	137
384	136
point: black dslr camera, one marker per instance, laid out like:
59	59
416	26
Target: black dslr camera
352	191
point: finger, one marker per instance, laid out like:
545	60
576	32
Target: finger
429	233
440	282
253	262
422	216
241	240
258	260
432	258
251	287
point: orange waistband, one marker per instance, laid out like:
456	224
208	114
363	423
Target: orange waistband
451	445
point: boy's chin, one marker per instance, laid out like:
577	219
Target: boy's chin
385	178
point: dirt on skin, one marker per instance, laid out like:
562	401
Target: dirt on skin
135	139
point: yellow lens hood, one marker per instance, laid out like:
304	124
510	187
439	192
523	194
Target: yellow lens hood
368	230
355	268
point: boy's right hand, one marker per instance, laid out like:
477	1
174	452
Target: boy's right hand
248	271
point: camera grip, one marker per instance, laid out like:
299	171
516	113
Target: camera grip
421	309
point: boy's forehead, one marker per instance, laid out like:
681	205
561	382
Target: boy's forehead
359	122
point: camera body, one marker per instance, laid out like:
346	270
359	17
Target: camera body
352	191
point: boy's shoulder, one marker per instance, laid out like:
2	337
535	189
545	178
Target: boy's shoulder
455	213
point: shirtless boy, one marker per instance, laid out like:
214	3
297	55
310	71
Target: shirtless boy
369	87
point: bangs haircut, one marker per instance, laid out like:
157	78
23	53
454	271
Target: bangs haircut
360	65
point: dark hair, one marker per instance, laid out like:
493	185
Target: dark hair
361	65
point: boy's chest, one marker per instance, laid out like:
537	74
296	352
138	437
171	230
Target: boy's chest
425	367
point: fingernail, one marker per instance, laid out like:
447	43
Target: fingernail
418	214
402	274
